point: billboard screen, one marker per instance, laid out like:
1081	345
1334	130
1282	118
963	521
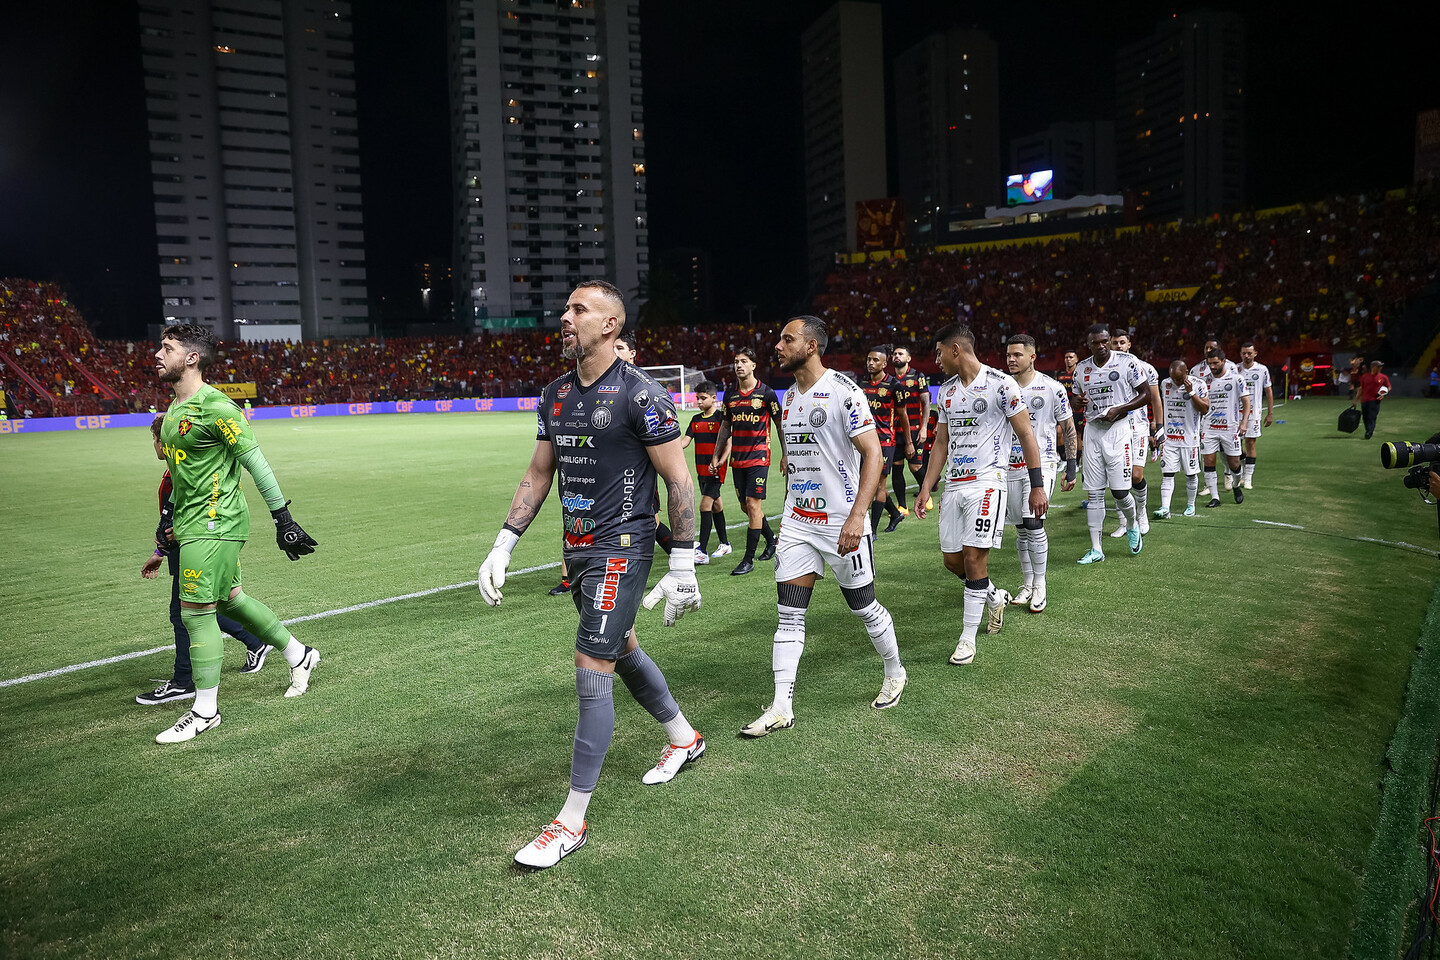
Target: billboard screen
880	224
1029	187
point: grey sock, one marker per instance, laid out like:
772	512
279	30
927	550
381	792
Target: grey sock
647	685
594	728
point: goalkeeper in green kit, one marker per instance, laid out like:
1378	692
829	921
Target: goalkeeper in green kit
206	440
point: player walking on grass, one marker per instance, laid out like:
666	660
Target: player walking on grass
833	464
1109	385
749	412
702	430
1224	420
980	407
887	405
206	440
1048	406
1184	402
1143	426
181	685
609	428
910	450
1259	388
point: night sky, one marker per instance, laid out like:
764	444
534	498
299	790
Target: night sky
1331	110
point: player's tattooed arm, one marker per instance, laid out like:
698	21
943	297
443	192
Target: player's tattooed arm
534	487
1070	438
669	461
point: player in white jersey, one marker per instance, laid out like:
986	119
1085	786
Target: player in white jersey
1258	388
832	467
1109	385
1144	433
1049	408
980	407
1202	371
1184	402
1229	409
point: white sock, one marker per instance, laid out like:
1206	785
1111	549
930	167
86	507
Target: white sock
1127	507
881	628
1095	516
1142	499
1211	482
1039	556
1192	487
572	815
785	656
974	613
1167	490
679	731
1249	471
1022	545
294	652
207	702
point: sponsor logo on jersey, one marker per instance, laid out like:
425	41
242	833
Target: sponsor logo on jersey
608	388
575	503
610	586
578	440
600	419
819	396
967	421
800	438
642	399
985	503
556	408
810	516
810	503
652	421
817	417
564	391
804	486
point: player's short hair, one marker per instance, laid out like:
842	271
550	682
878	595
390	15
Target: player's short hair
884	348
705	386
193	336
1377	363
1178	362
955	331
747	352
629	340
1024	339
813	328
611	292
1247	343
1095	328
156	424
1216	351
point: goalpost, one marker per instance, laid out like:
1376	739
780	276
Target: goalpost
680	380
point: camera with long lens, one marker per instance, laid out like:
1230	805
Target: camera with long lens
1418	457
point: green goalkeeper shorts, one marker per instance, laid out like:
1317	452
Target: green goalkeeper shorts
209	570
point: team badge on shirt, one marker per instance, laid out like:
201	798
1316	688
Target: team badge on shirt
600	419
817	417
185	425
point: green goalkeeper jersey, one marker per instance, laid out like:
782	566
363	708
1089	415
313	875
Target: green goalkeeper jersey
203	438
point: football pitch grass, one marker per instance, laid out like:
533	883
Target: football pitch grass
1181	757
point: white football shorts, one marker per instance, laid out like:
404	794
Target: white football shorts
1017	494
1177	459
1226	443
1109	457
803	550
972	514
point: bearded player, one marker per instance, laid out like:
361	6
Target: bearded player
206	440
887	406
910	450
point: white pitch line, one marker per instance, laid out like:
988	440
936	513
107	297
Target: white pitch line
1277	523
83	666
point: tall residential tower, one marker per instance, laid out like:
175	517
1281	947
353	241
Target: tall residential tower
255	161
548	154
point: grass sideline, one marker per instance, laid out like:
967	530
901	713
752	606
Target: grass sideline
1396	866
1181	757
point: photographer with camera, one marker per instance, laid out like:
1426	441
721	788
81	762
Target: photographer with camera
1421	459
1373	387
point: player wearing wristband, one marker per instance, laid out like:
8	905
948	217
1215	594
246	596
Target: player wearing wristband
832	464
1109	385
1185	400
1051	420
980	408
609	429
206	440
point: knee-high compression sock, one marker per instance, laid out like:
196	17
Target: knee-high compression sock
706	520
1022	546
977	592
1192	486
1125	503
1039	554
720	531
594	728
1211	482
261	621
752	540
1167	490
876	509
897	482
1095	516
878	624
767	532
890	507
789	644
647	685
1140	491
206	647
663	537
238	631
1249	469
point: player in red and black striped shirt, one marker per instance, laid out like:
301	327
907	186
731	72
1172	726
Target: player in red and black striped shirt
887	406
703	431
749	412
917	404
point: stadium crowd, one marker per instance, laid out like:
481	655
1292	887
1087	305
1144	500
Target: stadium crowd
1327	274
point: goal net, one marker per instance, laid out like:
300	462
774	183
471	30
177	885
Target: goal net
680	381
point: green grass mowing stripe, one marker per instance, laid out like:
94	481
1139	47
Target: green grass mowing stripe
1396	866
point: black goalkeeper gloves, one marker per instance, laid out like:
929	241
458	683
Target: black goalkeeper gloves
290	536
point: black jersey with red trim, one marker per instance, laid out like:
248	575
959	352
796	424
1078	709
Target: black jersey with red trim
885	396
750	413
917	397
601	435
703	429
930	428
1067	380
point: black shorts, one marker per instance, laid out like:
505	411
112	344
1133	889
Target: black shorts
914	459
887	450
750	481
607	592
711	486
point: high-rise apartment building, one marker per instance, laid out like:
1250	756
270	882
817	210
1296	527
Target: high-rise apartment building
947	124
255	161
843	94
1180	117
1081	154
548	153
